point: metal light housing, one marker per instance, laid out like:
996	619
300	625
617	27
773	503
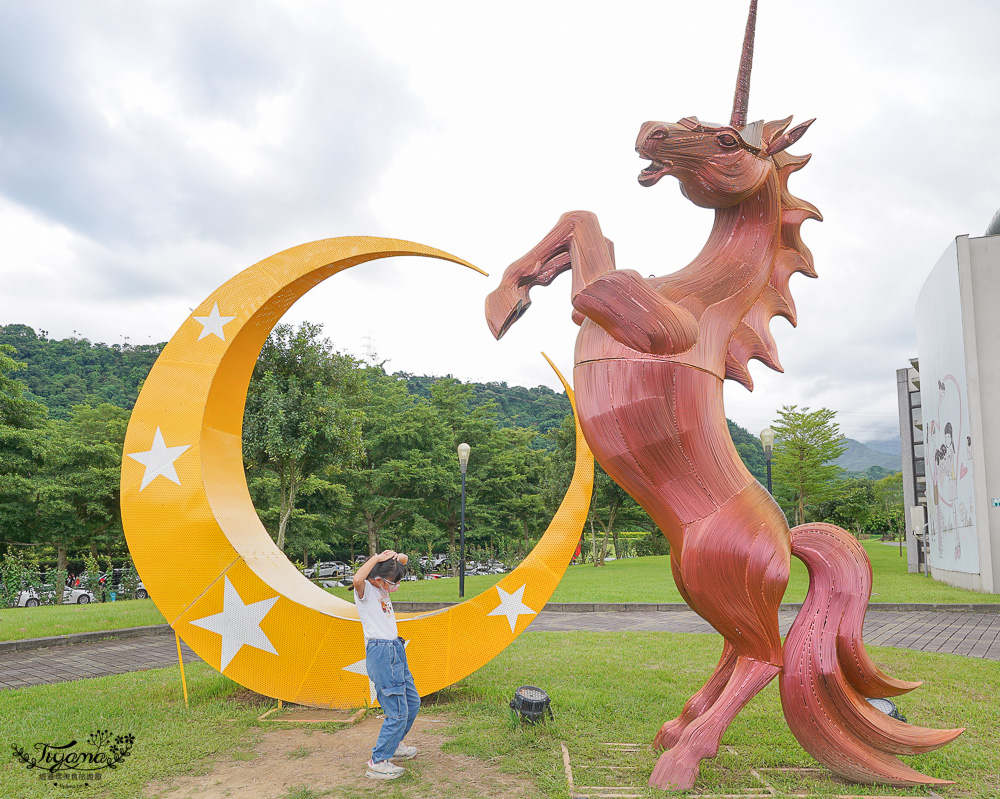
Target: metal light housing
530	704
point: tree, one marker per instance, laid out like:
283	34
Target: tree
303	413
315	525
63	490
505	490
61	374
889	511
23	431
85	462
750	449
477	427
406	464
805	446
504	508
850	506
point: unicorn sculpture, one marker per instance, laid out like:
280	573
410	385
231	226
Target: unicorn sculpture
651	357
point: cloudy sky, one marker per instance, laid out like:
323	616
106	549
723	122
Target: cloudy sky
151	150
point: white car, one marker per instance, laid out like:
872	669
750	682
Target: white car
28	598
77	596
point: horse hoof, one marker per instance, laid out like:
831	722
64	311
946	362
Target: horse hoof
674	772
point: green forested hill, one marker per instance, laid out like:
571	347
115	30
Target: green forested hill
750	450
539	408
73	371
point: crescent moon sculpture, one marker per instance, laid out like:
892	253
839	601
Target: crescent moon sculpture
205	557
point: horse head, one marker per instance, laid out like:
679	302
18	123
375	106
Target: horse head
718	166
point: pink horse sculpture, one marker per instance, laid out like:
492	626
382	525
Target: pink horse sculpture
650	361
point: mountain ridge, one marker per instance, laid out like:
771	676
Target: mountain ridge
858	457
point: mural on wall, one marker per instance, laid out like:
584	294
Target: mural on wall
951	514
951	494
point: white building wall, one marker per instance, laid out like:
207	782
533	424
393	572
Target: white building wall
979	271
952	435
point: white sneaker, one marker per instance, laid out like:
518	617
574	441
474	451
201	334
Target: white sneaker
383	770
405	752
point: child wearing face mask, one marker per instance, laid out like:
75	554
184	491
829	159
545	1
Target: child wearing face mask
385	658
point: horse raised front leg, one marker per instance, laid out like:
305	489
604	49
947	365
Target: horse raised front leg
575	242
698	704
678	768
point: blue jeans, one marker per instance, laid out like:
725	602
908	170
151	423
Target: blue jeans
387	668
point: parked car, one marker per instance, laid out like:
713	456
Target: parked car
77	596
332	568
28	598
328	568
102	580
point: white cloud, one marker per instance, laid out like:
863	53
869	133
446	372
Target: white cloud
151	150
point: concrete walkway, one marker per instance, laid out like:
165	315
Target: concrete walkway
928	628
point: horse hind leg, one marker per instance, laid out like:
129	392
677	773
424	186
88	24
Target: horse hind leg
678	768
698	704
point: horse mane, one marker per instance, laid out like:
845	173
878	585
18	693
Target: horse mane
752	337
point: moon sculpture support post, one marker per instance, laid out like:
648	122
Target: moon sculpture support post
206	559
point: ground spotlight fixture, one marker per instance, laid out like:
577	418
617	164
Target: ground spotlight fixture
888	707
530	704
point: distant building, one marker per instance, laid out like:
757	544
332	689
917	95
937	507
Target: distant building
911	439
949	407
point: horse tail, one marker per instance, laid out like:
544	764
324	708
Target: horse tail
827	673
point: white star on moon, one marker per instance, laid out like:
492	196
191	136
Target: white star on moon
512	606
212	324
361	667
159	461
238	624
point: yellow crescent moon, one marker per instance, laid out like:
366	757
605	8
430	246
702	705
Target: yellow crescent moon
206	559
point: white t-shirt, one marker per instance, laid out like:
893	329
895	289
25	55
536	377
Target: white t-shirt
378	619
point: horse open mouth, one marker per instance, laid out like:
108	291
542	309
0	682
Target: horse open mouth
652	173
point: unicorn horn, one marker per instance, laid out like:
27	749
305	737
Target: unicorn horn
742	98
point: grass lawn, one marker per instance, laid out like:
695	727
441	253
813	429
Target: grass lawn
46	620
169	739
615	582
619	687
605	687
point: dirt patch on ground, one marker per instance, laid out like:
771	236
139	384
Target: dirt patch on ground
292	762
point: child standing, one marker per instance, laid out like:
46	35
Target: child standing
385	659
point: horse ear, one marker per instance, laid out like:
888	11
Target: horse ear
774	129
788	139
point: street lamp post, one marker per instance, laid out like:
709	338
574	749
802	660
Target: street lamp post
463	462
767	440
